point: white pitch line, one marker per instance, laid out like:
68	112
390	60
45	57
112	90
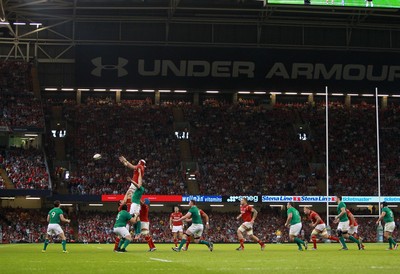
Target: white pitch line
161	260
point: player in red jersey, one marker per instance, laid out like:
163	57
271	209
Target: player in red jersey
145	224
206	219
319	227
126	201
140	165
353	230
176	226
248	214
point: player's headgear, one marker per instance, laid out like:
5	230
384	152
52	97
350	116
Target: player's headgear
142	162
146	201
384	204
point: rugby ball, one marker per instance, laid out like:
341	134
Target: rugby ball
97	156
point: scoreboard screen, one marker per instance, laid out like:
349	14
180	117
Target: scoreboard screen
345	3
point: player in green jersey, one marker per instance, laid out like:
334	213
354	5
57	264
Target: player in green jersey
388	218
293	221
196	229
55	216
344	225
120	229
137	193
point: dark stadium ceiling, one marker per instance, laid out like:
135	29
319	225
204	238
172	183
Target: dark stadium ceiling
223	11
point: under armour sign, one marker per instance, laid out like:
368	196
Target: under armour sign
99	67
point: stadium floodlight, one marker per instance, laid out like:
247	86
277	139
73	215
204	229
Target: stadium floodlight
65	204
147	90
212	91
213	205
290	93
305	205
132	90
180	91
67	89
99	205
244	92
7	198
99	89
164	90
184	205
31	135
84	89
320	94
367	95
157	205
393	206
275	93
363	206
337	94
306	93
352	94
260	92
4	23
50	89
395	95
36	24
383	95
32	198
115	89
19	24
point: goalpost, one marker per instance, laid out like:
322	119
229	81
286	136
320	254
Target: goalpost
327	155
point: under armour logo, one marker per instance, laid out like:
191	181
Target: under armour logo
98	63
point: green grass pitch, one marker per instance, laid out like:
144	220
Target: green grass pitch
348	3
284	258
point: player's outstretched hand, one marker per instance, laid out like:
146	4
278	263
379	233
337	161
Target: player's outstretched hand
122	159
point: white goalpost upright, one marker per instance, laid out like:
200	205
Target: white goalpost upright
327	153
378	159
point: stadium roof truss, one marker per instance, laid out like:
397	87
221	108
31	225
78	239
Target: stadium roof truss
48	30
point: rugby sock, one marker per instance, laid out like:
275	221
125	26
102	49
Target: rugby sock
391	242
187	243
204	242
176	242
138	228
126	243
46	243
298	241
121	242
354	240
341	239
260	243
314	240
117	240
241	243
149	241
334	238
182	243
64	244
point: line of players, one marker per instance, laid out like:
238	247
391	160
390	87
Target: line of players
133	210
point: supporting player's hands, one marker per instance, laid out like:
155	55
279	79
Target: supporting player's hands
336	220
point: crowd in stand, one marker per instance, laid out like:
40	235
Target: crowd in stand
15	76
248	150
29	225
352	146
127	129
26	168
